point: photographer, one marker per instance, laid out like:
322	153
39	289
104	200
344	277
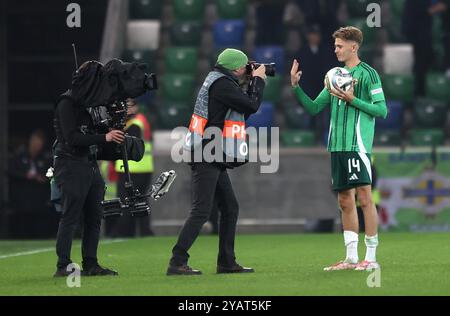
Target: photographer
220	99
76	171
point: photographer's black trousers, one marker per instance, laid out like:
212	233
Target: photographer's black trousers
82	189
209	182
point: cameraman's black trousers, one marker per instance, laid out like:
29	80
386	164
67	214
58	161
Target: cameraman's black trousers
82	189
209	182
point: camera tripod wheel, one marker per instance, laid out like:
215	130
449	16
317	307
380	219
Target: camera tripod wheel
116	208
112	208
140	210
135	204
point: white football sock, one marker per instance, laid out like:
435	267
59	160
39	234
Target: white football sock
371	244
351	242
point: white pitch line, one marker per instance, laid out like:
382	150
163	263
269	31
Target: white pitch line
25	253
33	252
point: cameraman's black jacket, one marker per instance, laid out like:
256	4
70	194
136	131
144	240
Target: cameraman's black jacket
74	128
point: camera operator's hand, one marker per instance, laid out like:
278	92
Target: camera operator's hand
115	136
296	74
260	72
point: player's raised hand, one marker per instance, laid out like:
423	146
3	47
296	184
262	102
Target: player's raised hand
296	74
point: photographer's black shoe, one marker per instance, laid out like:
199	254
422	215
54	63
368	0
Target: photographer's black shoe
182	270
234	269
97	270
62	273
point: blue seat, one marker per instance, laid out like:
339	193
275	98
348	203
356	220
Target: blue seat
270	54
147	98
229	33
264	117
325	135
394	119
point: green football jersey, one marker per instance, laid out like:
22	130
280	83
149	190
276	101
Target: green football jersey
352	126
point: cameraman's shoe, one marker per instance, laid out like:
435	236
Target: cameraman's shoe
62	272
182	270
97	270
234	269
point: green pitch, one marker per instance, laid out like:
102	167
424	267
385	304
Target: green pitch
412	264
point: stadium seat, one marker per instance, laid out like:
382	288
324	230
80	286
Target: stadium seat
178	87
229	33
325	136
394	119
398	87
429	113
438	87
142	56
143	35
272	91
147	100
396	8
296	117
191	10
427	137
145	9
394	29
358	8
186	33
270	54
174	114
232	9
214	55
387	138
398	59
367	53
438	44
181	60
264	117
294	138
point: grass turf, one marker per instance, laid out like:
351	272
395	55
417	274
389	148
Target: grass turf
412	264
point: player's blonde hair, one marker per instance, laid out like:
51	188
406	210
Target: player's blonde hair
349	33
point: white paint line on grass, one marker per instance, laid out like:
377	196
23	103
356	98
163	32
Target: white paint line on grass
36	251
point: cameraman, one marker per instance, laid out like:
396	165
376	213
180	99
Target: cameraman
76	171
221	93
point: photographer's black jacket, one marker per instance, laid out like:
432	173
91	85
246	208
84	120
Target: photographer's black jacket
225	95
69	121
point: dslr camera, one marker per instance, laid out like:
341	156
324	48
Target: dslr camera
271	69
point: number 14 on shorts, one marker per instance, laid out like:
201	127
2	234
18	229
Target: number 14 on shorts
354	164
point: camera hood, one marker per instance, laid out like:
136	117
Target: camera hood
95	84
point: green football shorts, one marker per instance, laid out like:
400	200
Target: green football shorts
350	170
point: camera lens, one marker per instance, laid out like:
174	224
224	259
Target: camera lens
271	70
151	82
